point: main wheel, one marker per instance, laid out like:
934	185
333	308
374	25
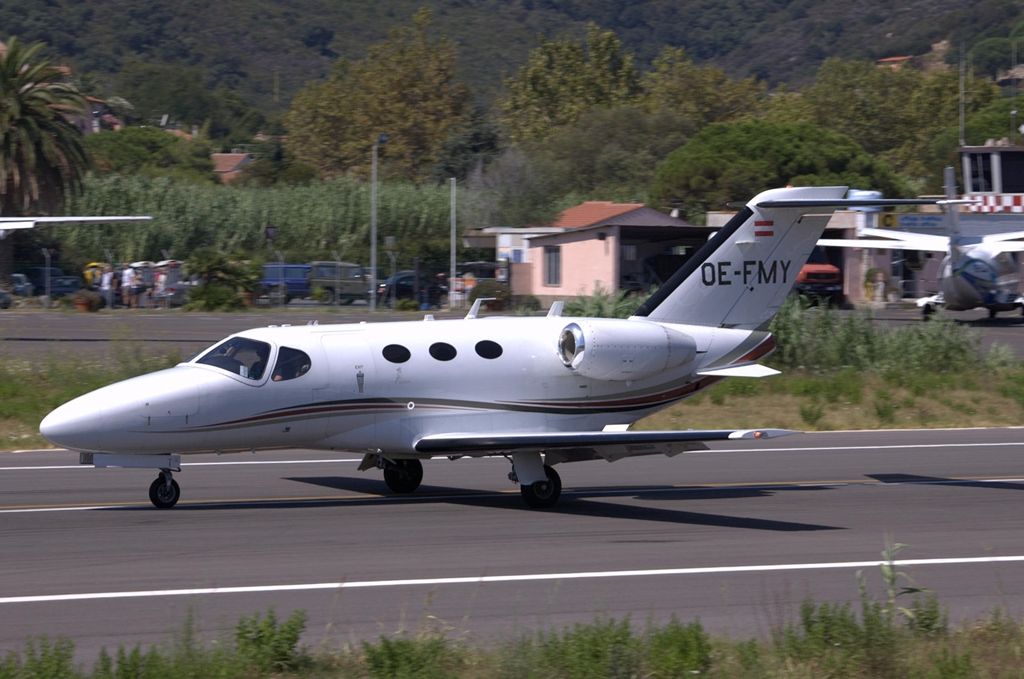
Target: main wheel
543	494
403	476
164	495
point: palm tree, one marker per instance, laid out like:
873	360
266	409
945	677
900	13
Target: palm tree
42	156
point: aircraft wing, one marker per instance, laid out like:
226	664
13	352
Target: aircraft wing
881	244
1010	246
999	237
573	446
12	223
29	222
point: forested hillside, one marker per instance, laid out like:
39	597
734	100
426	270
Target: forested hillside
267	50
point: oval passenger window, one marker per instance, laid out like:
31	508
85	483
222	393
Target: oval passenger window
396	353
442	351
488	349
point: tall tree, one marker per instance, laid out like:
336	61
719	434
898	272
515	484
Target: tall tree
699	94
564	78
42	158
405	87
730	161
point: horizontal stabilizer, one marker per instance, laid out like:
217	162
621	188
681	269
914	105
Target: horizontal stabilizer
882	244
837	203
745	370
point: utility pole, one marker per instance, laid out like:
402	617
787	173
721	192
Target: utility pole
381	139
451	273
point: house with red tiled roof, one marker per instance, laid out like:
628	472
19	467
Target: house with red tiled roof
605	246
228	166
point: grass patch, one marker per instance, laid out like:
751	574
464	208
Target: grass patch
872	638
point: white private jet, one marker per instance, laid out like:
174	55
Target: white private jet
975	272
538	391
14	223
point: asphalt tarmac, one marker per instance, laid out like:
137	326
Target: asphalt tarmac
737	537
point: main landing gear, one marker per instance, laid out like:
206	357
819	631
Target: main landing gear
539	484
164	491
543	494
403	476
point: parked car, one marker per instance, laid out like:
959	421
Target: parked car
5	299
342	282
21	285
65	285
37	276
285	282
404	285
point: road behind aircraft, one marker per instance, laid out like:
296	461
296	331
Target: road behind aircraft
537	391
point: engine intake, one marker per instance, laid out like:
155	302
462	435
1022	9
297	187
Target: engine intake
620	350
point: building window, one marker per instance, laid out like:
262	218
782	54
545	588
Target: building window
981	172
552	265
629	253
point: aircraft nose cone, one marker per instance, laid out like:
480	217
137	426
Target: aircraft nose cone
67	425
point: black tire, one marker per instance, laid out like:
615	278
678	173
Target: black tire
543	494
162	495
329	297
403	476
926	312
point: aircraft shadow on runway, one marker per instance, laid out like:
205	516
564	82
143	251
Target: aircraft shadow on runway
943	481
575	502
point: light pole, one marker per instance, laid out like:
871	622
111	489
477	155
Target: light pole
381	139
46	258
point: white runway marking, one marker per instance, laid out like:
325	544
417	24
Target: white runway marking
485	579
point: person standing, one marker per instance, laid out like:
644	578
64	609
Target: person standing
107	285
128	287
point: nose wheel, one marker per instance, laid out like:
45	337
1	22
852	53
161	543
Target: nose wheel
164	491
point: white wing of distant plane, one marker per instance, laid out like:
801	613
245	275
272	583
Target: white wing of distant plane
610	445
999	237
11	223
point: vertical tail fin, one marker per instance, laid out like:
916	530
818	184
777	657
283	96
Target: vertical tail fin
740	277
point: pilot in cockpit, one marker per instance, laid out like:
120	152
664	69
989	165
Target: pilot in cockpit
291	363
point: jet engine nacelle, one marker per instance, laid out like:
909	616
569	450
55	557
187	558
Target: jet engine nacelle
620	350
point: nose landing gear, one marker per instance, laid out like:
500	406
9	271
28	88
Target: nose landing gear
164	491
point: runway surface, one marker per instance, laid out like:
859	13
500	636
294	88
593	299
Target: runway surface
737	537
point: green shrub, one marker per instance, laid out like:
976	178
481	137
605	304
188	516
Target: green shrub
214	297
492	288
425	657
270	646
678	650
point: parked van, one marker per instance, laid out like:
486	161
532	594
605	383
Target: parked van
285	282
343	282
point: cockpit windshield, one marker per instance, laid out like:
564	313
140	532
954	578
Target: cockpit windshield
239	356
